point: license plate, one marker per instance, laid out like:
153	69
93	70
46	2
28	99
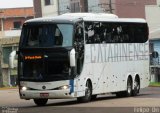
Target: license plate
44	95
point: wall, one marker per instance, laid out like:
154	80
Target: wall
37	8
155	62
7	39
17	12
4	68
64	6
8	22
84	5
106	5
132	8
49	10
9	16
5	77
153	17
158	3
93	6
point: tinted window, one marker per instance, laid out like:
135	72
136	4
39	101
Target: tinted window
17	25
6	52
47	35
99	32
48	2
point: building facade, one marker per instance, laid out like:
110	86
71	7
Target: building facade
155	60
37	8
132	8
11	21
49	7
153	17
44	8
122	8
63	6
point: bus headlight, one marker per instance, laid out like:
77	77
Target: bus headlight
64	87
23	88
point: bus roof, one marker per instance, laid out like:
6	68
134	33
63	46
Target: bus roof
91	15
55	19
125	20
75	17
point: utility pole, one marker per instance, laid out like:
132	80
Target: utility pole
110	6
1	17
107	6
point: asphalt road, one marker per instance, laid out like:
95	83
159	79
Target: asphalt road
148	101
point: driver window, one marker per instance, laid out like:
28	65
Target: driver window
58	37
33	37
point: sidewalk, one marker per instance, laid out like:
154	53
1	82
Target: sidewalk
6	88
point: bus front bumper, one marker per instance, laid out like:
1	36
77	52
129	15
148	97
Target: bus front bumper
49	94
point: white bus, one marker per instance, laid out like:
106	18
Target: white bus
82	55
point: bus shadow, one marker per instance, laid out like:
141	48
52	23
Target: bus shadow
74	102
67	103
147	95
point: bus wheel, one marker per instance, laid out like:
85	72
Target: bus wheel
128	92
136	87
129	88
40	102
88	93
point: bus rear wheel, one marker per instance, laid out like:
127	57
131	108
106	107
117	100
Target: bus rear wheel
40	102
129	88
88	93
128	92
136	87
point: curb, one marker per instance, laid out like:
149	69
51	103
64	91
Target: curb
153	86
7	88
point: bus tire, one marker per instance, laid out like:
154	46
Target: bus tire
40	102
136	87
128	92
88	93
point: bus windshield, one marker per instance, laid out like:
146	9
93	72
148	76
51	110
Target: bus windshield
47	35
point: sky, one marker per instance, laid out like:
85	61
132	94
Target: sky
15	3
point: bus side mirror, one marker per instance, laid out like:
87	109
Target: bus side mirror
12	60
72	58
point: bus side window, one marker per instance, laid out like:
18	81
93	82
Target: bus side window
79	34
96	33
89	32
79	37
58	37
140	33
117	33
107	33
125	36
